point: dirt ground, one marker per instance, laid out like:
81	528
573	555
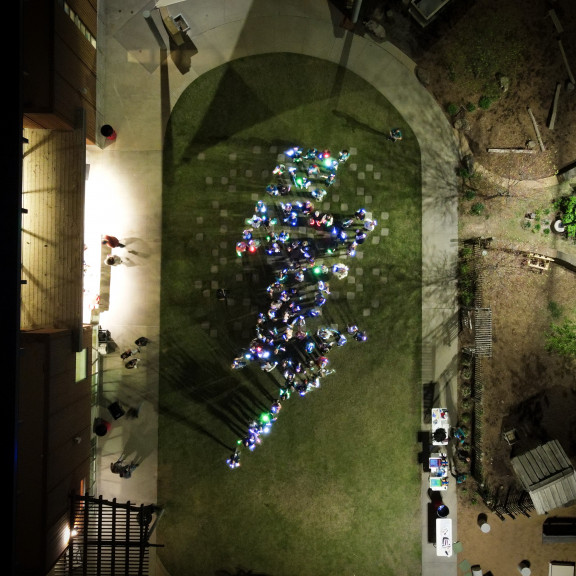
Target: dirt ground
474	47
462	57
527	389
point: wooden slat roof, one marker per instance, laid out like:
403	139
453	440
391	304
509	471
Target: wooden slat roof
548	476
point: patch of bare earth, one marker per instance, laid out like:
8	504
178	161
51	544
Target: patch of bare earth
485	31
527	389
524	387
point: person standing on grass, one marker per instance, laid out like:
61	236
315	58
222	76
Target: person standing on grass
112	241
234	460
395	134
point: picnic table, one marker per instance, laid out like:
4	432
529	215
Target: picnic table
438	464
440	426
443	537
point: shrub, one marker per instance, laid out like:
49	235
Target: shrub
452	108
470	107
562	339
555	309
469	194
467	298
567	206
466	403
477	208
484	102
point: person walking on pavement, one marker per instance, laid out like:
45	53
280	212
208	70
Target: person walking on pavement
112	241
127	470
129	352
131	364
117	467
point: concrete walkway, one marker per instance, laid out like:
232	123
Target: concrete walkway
140	83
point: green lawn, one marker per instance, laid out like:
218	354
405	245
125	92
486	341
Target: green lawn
334	489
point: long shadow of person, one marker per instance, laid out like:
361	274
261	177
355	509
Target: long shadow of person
355	124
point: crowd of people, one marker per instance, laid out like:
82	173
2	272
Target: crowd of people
284	339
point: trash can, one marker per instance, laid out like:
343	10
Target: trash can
108	132
442	511
101	427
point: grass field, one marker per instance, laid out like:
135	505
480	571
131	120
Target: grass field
335	487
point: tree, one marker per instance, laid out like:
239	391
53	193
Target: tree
562	339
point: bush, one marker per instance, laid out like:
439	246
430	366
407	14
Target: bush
477	208
567	206
466	252
555	309
469	194
452	109
466	403
463	173
562	339
467	298
470	107
484	102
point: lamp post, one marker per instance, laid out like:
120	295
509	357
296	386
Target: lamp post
356	11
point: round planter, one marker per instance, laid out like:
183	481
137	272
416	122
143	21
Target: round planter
557	227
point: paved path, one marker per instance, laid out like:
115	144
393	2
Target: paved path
124	189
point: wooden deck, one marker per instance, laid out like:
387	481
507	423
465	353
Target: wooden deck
53	178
